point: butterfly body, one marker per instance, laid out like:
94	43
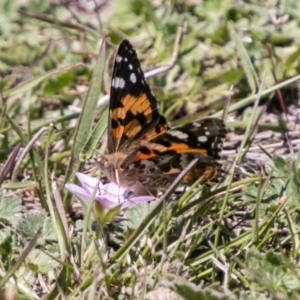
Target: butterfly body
143	152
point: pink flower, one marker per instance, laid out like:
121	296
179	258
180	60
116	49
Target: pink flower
108	195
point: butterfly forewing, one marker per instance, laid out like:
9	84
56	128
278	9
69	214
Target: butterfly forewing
133	109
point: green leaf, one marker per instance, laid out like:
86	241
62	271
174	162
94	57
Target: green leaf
19	54
189	291
5	242
294	58
40	262
104	215
283	185
10	205
31	222
270	272
56	83
136	213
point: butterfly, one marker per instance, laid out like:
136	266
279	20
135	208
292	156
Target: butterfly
144	153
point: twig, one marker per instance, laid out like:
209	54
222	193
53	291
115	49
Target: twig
60	23
170	65
26	150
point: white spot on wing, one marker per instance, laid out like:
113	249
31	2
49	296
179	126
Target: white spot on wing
179	134
196	124
130	66
132	78
118	83
202	138
118	58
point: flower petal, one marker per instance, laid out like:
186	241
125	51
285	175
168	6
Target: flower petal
115	190
78	191
107	202
89	183
137	200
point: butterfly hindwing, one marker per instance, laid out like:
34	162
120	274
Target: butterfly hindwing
171	152
204	137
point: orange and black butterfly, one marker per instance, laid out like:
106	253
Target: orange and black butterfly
143	152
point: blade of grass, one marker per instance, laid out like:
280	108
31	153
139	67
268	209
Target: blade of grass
26	150
46	124
20	260
35	159
56	220
19	185
94	138
86	118
237	159
64	279
32	83
246	62
248	100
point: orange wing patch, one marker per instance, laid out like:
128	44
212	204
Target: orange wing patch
132	117
138	105
151	150
206	172
160	128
